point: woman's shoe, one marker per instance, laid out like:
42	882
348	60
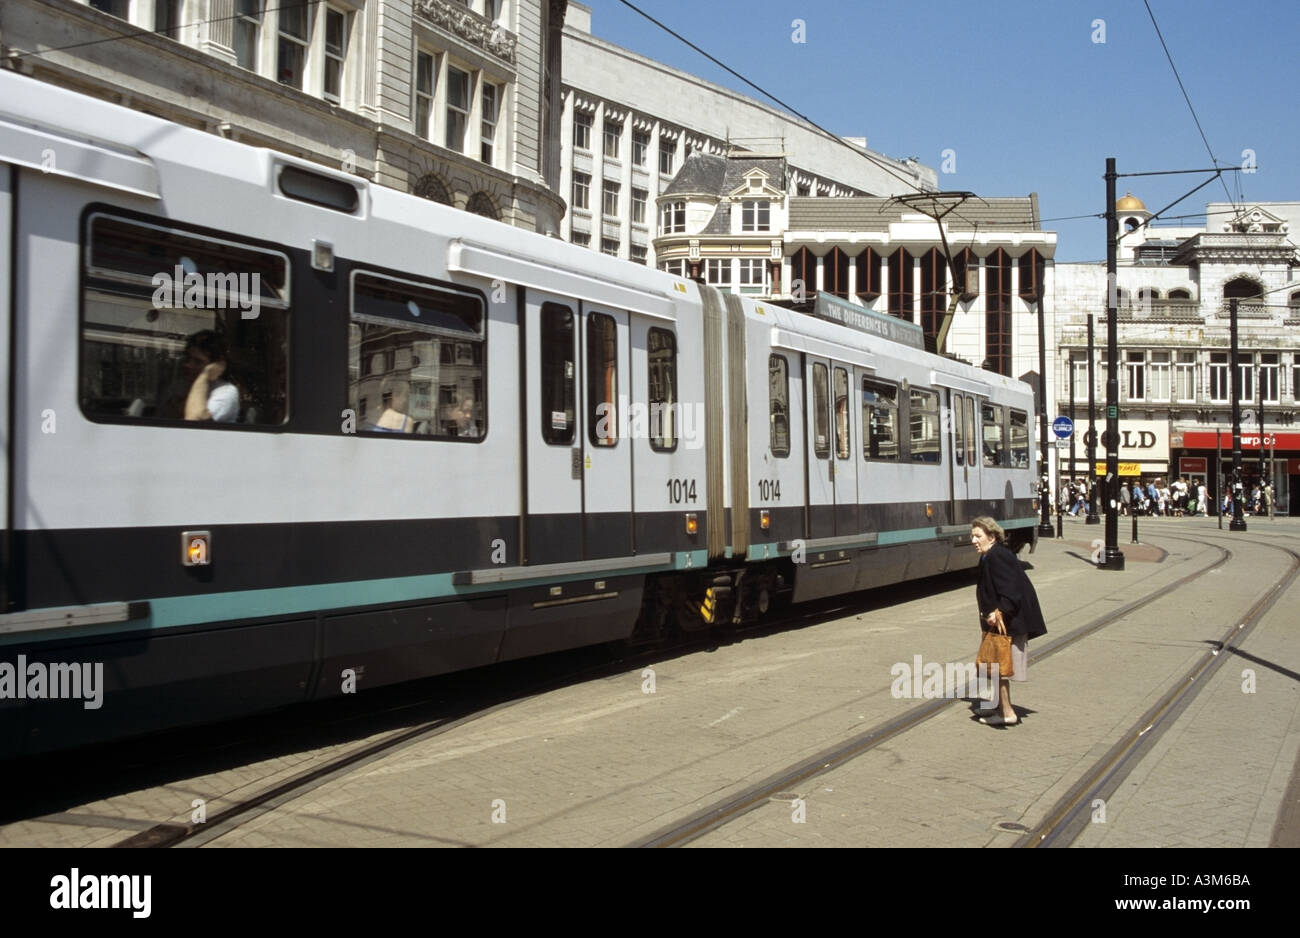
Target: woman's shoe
999	720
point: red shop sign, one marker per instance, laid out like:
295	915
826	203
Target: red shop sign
1205	439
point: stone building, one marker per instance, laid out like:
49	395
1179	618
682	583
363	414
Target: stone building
630	123
1173	290
455	100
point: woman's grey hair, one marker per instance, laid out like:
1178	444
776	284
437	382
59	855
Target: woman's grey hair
990	526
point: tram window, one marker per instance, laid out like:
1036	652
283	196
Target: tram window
994	450
661	348
180	326
923	425
778	396
558	375
602	380
958	424
416	358
970	433
879	420
841	413
1019	439
821	441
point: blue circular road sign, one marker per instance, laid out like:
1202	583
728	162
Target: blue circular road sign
1063	427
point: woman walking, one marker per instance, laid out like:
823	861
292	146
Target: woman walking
1008	605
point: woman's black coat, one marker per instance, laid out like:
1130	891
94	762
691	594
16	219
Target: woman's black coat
1004	585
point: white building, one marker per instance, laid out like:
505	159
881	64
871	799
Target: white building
629	123
455	100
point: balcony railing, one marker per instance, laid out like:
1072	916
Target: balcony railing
474	29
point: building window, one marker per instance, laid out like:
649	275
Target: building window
248	28
1136	369
661	391
1032	267
1245	378
581	190
997	314
294	28
675	267
1295	376
424	85
609	246
581	238
640	147
803	274
804	190
582	131
879	420
1079	375
602	380
1219	377
491	106
1269	363
835	273
612	134
934	291
558	395
753	275
1158	376
672	218
923	426
966	274
717	271
119	8
1180	294
756	216
167	17
901	294
666	159
458	86
778	396
638	254
1185	377
639	197
609	199
336	50
868	266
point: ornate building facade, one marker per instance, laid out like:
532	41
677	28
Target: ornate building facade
454	100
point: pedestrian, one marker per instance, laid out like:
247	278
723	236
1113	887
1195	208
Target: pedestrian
1008	605
1124	498
1202	500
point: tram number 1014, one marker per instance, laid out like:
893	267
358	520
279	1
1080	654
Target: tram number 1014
769	490
681	490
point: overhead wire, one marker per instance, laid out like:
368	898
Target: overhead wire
767	94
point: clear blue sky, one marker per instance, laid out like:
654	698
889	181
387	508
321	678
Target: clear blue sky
1018	89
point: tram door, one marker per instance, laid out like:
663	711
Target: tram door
965	463
819	446
553	436
605	392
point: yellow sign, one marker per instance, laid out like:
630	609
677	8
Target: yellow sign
1125	469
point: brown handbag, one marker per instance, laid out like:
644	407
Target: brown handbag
996	649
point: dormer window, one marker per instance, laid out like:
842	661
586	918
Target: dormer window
672	218
756	216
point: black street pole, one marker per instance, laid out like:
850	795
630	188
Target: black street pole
1114	560
1045	486
1092	432
1237	523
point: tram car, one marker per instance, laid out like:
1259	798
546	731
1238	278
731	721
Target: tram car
274	434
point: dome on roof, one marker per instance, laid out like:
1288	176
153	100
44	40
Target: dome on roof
1129	203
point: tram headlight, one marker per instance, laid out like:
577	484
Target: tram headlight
692	523
764	519
196	548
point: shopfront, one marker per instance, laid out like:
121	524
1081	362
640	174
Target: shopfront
1275	457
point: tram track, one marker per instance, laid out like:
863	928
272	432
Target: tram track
725	811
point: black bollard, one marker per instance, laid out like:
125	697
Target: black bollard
1060	515
1135	528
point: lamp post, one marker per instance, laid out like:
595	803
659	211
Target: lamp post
1113	560
1092	433
1237	523
1045	485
